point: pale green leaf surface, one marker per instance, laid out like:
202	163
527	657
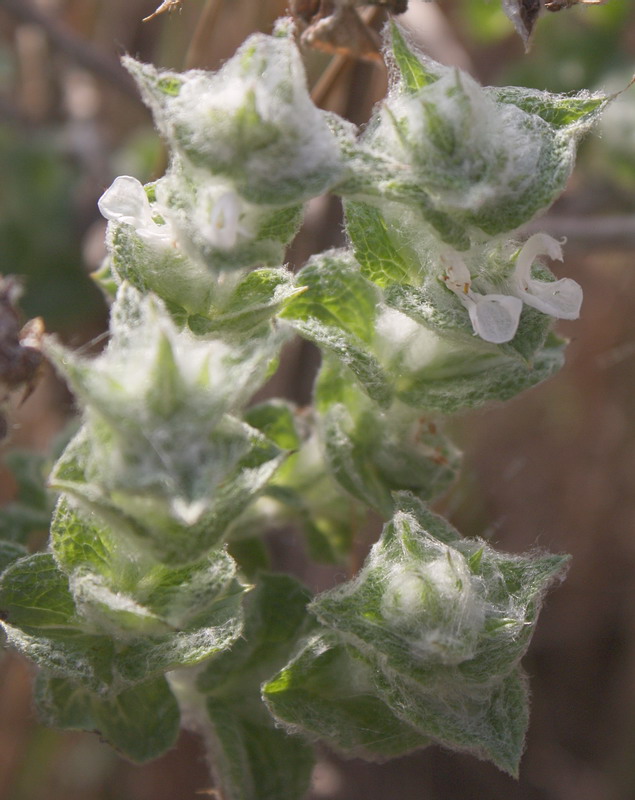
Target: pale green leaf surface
30	511
326	691
275	616
141	722
445	385
253	760
381	258
416	70
337	295
256	299
559	110
306	494
490	724
338	312
276	420
170	274
10	552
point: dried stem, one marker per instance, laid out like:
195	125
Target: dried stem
199	46
338	64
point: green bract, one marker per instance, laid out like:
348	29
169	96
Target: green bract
153	602
470	161
252	122
428	636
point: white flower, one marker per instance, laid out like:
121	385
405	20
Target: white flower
218	217
494	317
127	203
561	299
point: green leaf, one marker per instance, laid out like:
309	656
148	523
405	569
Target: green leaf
490	724
327	692
379	255
30	511
253	760
373	452
336	294
257	298
282	224
338	312
416	71
83	541
352	353
40	621
250	554
276	420
182	597
10	552
559	110
167	272
141	723
34	595
445	385
304	493
275	616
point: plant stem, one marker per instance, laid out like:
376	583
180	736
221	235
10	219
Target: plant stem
199	46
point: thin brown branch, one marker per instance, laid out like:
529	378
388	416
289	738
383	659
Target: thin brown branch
167	5
338	64
199	46
82	52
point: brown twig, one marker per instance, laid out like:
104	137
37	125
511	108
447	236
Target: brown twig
167	5
84	53
199	46
338	64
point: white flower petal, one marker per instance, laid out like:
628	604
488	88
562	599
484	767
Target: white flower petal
224	221
218	218
494	317
156	235
561	299
125	201
540	244
456	276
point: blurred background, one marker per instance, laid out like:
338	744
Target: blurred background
554	468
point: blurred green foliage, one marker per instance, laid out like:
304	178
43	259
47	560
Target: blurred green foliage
39	239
